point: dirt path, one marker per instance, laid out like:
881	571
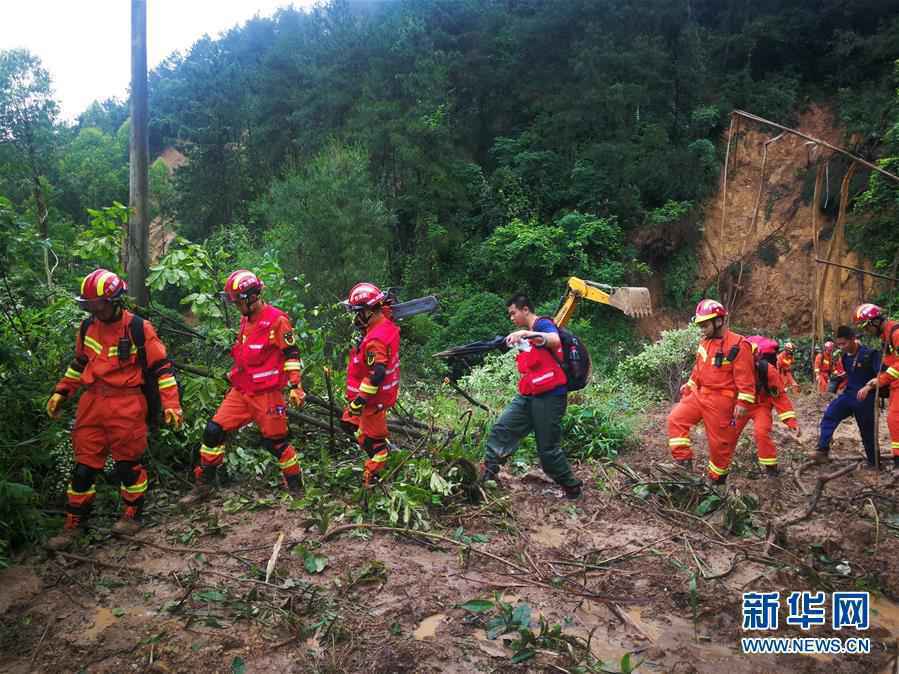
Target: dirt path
388	603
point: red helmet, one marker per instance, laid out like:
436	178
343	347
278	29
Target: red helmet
763	346
828	346
364	296
708	309
101	285
867	312
241	285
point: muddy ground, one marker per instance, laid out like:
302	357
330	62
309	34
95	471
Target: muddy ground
189	594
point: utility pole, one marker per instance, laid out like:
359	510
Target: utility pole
138	240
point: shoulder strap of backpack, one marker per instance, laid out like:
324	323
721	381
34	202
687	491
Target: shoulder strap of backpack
85	324
136	328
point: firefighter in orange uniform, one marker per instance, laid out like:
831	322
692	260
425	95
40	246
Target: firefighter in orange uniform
770	394
720	391
112	413
785	361
266	359
873	320
372	375
823	367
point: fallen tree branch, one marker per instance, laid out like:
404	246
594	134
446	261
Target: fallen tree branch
777	526
372	527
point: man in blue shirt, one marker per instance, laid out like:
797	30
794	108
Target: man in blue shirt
860	364
541	400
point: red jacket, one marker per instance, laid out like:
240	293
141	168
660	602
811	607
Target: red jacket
260	362
381	344
725	365
539	369
890	339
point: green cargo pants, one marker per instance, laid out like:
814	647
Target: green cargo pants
543	416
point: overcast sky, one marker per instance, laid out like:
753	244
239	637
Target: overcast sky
85	44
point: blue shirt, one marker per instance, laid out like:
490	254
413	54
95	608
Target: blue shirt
860	368
546	325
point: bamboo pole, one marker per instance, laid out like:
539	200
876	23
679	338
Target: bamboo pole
857	270
824	143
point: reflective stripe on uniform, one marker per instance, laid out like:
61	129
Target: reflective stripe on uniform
783	416
267	373
368	388
767	462
716	470
292	364
113	351
678	442
72	373
93	344
211	452
380	457
893	372
89	492
138	488
290	462
167	382
746	398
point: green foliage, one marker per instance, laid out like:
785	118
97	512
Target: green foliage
101	243
328	222
528	255
665	365
680	279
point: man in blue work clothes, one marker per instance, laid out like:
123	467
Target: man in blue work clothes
541	400
860	364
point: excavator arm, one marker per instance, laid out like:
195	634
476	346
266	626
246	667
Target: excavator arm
633	302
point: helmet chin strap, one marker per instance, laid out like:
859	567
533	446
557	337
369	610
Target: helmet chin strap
114	316
250	305
361	318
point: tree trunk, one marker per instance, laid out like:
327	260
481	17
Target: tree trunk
138	240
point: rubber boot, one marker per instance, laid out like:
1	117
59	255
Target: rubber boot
772	472
572	491
204	477
685	464
72	528
129	522
490	471
294	485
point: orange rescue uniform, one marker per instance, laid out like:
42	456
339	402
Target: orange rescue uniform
772	396
785	370
369	426
266	407
823	367
890	378
111	416
722	378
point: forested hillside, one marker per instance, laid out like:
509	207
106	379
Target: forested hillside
469	149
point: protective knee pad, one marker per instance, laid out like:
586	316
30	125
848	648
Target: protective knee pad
213	434
83	477
127	472
275	446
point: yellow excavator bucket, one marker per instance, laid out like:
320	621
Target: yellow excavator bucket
633	301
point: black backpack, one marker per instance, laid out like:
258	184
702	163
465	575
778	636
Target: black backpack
575	361
150	387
